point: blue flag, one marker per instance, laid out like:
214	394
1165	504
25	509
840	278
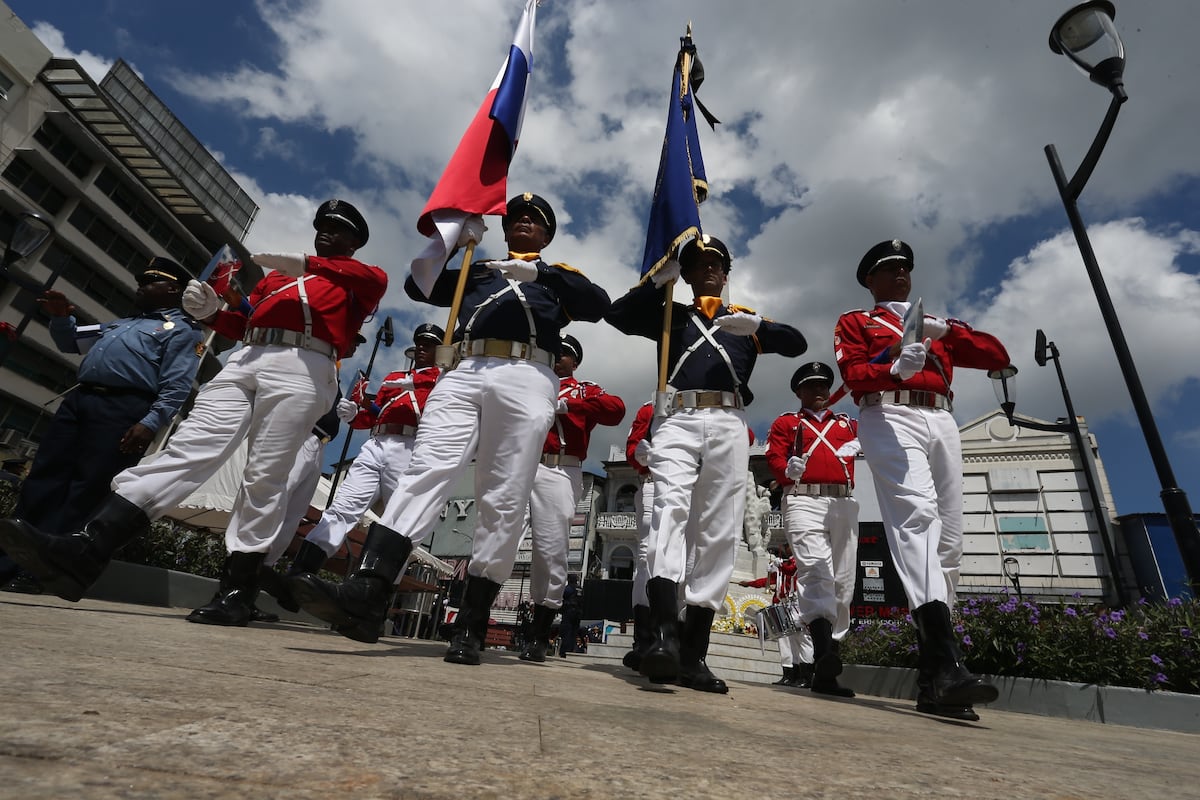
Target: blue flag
681	185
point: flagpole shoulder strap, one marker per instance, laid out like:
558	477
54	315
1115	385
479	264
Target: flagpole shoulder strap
664	353
459	290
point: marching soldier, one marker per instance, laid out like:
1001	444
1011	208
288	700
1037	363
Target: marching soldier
305	315
392	416
912	445
795	649
699	454
495	405
811	453
558	485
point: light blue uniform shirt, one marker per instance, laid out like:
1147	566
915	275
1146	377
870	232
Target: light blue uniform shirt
157	352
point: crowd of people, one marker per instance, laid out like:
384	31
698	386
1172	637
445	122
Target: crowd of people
501	391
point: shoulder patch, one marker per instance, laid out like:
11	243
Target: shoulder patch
200	350
743	309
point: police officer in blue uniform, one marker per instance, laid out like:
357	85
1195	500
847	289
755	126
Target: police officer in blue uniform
495	405
699	451
135	375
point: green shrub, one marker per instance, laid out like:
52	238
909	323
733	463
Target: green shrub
1147	645
173	545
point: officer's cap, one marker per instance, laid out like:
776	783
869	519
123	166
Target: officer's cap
813	371
689	254
571	345
163	269
429	332
882	253
346	214
537	205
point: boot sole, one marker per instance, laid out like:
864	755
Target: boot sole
962	713
458	657
659	667
970	695
315	601
21	546
225	622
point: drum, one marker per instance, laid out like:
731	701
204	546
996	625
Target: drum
779	620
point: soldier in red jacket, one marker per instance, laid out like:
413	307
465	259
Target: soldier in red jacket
912	444
557	487
304	316
811	453
392	417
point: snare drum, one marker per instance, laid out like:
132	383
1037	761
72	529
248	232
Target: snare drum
779	620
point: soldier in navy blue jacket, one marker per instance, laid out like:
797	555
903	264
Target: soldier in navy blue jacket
495	406
699	453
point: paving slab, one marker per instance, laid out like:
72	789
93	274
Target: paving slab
109	700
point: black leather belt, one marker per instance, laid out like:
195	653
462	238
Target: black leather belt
117	391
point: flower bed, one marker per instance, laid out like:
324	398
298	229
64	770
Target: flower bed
1147	646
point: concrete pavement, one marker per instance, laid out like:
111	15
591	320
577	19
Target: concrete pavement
109	700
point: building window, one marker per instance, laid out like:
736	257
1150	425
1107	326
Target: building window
51	137
143	215
6	84
23	176
107	239
1021	533
625	499
620	563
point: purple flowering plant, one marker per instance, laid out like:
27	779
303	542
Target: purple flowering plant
1147	645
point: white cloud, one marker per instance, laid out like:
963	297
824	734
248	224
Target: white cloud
95	66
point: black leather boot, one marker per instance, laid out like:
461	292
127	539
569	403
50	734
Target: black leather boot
470	626
234	601
309	559
68	565
789	675
827	663
358	607
539	635
804	675
693	648
660	661
926	668
951	684
256	613
642	637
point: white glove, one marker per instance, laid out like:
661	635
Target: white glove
292	264
641	453
562	406
668	272
795	467
472	231
515	268
935	327
911	359
200	300
739	323
347	410
849	449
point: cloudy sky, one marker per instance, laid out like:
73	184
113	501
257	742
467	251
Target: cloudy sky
843	124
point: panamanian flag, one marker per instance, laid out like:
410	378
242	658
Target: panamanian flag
476	179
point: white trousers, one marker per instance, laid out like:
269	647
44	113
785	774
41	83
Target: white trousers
823	533
698	460
915	455
643	506
556	493
301	486
376	471
796	648
269	395
496	411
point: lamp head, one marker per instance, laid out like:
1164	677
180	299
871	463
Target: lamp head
1012	567
1004	383
386	334
1086	35
1040	348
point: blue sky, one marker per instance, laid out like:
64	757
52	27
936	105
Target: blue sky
845	124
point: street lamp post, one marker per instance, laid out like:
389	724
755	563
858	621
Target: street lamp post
1087	36
30	232
1004	382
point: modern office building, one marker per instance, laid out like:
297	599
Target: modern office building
121	180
